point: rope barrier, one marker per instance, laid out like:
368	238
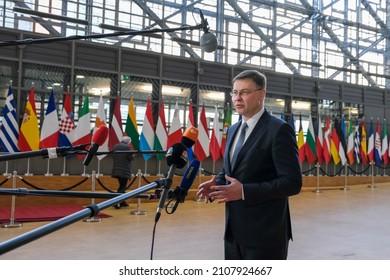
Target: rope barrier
330	175
146	180
304	172
66	189
4	181
357	172
104	186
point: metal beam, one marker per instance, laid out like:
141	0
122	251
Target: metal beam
153	16
339	43
44	23
264	37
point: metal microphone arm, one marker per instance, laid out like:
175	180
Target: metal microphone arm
30	41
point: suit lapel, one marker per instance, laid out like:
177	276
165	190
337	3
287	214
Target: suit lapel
229	142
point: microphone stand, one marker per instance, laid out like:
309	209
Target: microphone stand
55	193
29	41
89	211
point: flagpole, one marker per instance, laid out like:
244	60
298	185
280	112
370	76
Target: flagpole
159	168
28	168
48	169
63	169
372	175
84	173
6	169
146	168
98	167
197	198
346	177
318	178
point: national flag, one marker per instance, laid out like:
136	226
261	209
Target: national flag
29	131
67	127
385	145
49	130
363	143
101	120
147	135
161	135
116	130
335	144
202	145
191	122
301	141
342	145
175	130
371	141
310	145
320	143
131	128
9	132
83	129
216	138
327	141
351	144
227	123
343	129
292	121
378	144
357	143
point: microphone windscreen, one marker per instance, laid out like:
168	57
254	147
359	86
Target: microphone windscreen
208	42
190	136
177	154
189	175
100	135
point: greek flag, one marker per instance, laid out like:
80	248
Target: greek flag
9	132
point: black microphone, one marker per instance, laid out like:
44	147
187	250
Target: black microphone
180	193
208	41
176	157
44	153
98	139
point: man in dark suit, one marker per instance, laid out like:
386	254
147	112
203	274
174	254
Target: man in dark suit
257	180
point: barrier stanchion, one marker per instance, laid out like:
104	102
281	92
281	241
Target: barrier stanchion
138	211
93	218
372	176
346	188
12	223
318	178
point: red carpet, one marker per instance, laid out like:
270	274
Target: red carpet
41	213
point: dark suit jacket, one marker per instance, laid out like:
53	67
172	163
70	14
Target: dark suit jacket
269	169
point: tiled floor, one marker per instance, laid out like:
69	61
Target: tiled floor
334	224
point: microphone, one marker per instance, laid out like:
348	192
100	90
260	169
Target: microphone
98	139
189	136
181	191
176	157
44	153
208	41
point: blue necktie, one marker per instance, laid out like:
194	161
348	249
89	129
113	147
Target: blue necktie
239	144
